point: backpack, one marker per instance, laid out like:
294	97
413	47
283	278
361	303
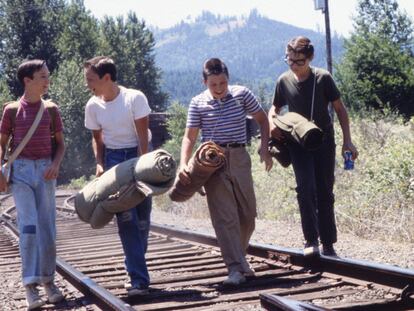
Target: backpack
51	108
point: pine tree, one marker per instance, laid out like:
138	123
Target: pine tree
69	92
376	71
79	35
131	45
28	30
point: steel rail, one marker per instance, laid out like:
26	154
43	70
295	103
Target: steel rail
383	274
99	295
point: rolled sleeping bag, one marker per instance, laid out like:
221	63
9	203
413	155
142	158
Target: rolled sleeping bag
118	190
299	129
207	159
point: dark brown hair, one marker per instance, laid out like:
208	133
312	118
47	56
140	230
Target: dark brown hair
28	68
300	45
214	66
102	65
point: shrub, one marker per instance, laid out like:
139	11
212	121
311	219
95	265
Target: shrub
375	200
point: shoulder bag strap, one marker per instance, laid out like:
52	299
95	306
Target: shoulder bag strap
29	135
313	92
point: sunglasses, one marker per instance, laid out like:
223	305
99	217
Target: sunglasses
299	62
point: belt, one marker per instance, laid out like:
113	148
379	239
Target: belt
232	145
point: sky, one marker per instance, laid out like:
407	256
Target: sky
300	13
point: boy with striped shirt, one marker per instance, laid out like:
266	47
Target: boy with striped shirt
220	113
34	180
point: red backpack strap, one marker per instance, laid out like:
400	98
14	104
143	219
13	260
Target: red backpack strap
13	107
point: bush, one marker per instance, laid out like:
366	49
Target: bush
176	121
375	200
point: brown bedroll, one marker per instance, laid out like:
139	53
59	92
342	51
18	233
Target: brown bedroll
208	158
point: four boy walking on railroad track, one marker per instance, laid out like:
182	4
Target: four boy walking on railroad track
33	179
118	119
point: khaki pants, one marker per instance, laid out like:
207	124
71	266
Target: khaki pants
232	205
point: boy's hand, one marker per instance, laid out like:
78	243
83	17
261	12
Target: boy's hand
99	170
276	133
183	175
52	172
350	147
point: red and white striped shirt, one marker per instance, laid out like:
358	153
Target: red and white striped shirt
39	145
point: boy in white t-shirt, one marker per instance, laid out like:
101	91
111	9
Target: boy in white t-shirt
118	119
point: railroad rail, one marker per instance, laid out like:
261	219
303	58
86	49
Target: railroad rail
187	272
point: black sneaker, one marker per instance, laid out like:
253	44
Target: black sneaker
311	249
137	291
328	250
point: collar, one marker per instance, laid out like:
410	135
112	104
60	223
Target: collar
210	97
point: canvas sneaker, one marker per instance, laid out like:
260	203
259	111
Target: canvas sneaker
328	250
53	293
311	249
137	291
248	269
234	278
33	299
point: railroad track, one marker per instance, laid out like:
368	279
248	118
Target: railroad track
187	272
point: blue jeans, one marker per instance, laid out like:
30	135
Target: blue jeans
133	225
314	172
36	214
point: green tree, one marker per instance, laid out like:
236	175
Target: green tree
131	44
376	70
69	92
383	18
79	35
5	95
176	121
28	30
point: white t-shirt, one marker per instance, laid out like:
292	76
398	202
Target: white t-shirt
116	118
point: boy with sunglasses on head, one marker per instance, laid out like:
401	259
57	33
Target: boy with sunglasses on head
308	91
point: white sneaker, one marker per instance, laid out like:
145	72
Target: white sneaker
54	295
33	299
311	249
234	278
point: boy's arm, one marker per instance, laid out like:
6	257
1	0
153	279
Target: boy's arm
141	127
346	132
3	144
98	148
53	171
261	118
187	145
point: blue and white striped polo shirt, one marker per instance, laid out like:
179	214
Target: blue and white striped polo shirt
223	121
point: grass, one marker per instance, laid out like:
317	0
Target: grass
375	200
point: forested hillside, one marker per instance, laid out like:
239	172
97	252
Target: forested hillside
252	46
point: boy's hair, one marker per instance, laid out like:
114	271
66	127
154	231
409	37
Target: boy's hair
102	65
214	66
28	68
300	45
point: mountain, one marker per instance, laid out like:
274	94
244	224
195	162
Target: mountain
253	48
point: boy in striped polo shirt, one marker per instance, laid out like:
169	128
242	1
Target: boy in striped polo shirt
34	180
220	113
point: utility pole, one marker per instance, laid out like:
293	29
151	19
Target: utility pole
324	6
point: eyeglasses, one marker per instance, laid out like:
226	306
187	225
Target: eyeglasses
299	62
